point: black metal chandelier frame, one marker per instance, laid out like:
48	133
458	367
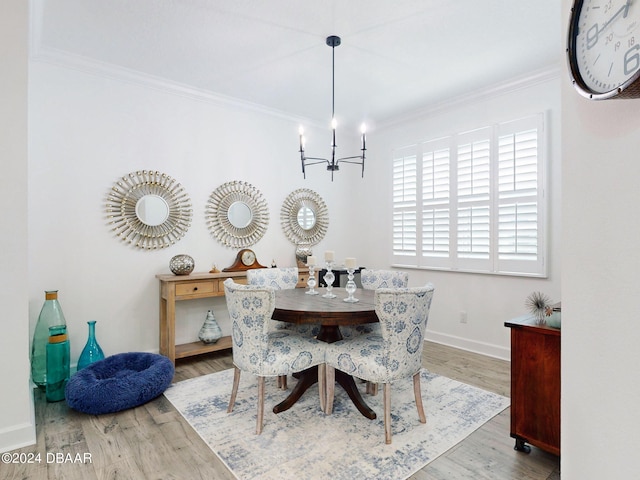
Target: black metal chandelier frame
333	163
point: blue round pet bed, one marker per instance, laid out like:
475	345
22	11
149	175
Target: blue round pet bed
119	382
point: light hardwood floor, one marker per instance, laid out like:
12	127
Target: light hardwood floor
153	441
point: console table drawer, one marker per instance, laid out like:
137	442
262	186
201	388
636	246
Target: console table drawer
196	288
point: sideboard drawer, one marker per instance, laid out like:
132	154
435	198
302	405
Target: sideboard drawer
196	288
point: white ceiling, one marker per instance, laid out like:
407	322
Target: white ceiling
396	56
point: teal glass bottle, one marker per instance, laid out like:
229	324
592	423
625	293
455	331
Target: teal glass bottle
58	368
50	315
91	351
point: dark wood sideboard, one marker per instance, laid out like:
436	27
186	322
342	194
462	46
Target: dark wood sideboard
535	385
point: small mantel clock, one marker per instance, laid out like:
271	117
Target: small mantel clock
245	260
603	48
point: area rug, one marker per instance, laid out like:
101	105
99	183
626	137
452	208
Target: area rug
304	443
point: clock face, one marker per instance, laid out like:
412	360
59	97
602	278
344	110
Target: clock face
248	257
604	46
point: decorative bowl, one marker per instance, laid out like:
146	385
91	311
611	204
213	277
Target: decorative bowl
554	320
182	264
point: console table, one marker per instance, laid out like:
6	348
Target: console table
535	385
175	288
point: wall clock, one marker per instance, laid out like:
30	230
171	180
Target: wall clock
245	260
603	48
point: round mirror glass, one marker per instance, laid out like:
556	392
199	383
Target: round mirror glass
152	210
239	214
306	218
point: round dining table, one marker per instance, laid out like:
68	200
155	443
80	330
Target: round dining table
296	306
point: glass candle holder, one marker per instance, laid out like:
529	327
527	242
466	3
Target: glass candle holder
350	287
311	281
329	277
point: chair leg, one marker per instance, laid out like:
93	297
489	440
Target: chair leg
260	405
387	412
282	382
372	388
330	379
418	394
234	390
322	385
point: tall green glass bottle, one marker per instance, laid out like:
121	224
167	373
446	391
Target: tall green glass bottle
58	370
50	315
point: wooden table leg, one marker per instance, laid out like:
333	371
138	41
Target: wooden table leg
347	382
306	379
309	377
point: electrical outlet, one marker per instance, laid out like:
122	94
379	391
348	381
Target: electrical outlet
463	317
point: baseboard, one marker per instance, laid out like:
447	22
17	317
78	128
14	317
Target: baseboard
22	434
17	436
482	348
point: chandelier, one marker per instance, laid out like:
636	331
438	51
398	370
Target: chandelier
333	163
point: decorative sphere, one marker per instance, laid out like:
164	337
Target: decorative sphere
182	264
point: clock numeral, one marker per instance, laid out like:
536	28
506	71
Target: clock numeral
592	37
631	60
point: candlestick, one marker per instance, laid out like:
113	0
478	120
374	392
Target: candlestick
329	277
311	281
350	287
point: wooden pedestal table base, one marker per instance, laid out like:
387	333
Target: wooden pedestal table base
294	306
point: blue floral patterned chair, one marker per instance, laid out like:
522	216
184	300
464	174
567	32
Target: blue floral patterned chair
395	354
264	352
372	280
281	279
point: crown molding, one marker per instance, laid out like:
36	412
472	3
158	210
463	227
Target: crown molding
515	84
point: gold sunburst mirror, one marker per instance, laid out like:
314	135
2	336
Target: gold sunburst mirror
304	217
149	209
237	214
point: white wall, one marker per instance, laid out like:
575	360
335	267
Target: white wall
600	283
17	426
87	131
488	300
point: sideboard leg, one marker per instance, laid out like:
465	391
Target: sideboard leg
520	446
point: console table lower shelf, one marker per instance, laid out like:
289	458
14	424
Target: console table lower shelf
198	348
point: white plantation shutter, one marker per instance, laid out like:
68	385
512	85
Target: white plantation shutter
520	196
474	197
473	201
405	205
436	197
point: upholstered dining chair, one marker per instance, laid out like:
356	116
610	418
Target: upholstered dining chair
280	279
372	280
264	352
393	355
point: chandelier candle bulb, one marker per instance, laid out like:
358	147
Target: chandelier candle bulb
328	256
350	263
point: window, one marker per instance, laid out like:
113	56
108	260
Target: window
473	201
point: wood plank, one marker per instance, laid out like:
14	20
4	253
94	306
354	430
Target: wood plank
199	348
154	440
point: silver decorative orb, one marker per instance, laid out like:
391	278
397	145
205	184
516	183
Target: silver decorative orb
182	264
